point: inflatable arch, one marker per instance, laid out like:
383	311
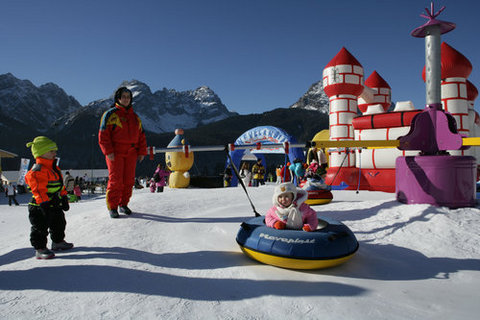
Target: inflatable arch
264	135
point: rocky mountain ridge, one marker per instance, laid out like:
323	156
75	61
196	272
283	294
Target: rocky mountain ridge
27	111
314	99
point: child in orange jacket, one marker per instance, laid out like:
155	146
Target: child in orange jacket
49	201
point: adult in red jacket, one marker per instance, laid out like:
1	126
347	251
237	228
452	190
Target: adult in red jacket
122	140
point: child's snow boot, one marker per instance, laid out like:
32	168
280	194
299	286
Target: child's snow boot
57	246
44	254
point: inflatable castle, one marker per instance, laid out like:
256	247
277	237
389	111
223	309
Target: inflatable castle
359	110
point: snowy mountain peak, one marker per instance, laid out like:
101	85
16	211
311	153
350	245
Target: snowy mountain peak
314	99
204	93
167	109
137	88
39	107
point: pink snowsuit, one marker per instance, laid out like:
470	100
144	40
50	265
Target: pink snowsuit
309	216
161	176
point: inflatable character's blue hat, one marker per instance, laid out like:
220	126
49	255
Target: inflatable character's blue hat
178	140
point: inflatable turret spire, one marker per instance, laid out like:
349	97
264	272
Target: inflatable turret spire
381	93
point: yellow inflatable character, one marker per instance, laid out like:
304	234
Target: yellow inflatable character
178	162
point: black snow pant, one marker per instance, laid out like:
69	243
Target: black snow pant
43	222
10	199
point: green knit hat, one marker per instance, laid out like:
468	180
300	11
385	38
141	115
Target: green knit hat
41	145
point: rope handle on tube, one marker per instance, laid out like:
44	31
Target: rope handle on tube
347	150
359	168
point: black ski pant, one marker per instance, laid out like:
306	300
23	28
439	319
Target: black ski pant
10	199
44	221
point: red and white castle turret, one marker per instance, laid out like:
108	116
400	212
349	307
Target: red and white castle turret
474	118
455	70
381	93
377	165
472	94
343	83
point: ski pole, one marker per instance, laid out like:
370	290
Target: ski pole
241	181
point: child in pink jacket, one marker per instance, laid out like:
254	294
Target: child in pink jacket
289	210
159	179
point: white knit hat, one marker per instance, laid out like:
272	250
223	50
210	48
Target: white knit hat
291	215
299	195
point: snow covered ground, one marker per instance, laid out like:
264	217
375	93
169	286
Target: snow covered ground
176	258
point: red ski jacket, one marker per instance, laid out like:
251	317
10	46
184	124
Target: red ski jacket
121	132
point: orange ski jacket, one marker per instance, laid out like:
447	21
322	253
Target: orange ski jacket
45	181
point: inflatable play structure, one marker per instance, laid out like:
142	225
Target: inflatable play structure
331	244
427	155
317	196
260	138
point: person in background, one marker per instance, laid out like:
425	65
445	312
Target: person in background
77	191
122	140
227	176
49	201
159	179
312	154
258	171
278	173
69	182
245	174
11	192
285	172
270	177
297	170
323	162
86	181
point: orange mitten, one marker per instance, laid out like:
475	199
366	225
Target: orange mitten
307	228
279	225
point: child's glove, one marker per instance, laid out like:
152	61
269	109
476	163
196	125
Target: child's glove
307	228
279	225
65	206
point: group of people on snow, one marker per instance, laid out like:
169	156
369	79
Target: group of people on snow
122	140
74	186
296	172
254	178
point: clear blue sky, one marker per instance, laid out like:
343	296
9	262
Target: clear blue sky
257	55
